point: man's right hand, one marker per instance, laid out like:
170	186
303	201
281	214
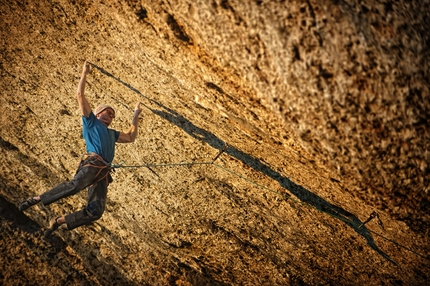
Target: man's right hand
87	68
83	102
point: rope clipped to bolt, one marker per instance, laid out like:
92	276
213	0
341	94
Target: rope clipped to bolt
172	164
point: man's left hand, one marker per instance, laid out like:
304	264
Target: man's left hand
137	109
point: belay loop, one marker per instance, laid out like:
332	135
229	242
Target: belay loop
105	166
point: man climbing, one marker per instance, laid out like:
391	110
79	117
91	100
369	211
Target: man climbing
94	170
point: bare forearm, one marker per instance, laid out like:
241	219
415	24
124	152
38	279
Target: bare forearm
81	86
131	134
134	126
80	93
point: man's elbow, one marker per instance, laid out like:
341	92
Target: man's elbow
130	138
127	137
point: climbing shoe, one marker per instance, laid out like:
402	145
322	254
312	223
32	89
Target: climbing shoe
27	203
53	225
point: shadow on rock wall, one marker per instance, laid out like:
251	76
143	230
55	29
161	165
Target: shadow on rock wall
300	192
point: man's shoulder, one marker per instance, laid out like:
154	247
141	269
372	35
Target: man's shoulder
91	121
90	116
114	133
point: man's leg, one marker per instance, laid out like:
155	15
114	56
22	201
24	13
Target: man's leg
97	195
85	175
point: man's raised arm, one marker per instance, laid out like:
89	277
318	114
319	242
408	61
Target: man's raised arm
131	134
83	102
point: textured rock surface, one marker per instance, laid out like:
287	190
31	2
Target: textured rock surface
325	107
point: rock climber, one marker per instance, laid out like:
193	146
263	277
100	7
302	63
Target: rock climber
95	167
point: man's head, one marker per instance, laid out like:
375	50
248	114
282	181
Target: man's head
105	114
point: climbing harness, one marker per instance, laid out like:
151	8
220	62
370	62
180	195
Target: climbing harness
105	166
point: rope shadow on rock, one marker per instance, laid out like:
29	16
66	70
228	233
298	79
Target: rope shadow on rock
300	192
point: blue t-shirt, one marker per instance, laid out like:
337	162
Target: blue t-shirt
98	138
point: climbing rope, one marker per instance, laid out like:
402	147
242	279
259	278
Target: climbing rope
160	165
284	196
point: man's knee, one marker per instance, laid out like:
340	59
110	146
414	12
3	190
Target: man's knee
95	209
